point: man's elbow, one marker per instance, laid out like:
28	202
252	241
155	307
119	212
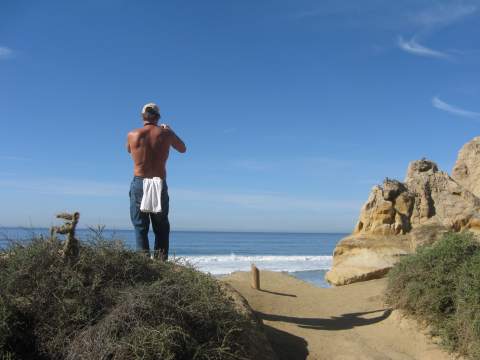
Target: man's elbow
183	149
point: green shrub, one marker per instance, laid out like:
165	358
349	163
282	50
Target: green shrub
113	303
440	285
468	307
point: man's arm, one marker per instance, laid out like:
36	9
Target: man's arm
177	143
127	145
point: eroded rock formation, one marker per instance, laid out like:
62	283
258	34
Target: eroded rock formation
466	171
387	210
400	216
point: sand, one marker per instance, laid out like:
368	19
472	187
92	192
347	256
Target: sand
349	322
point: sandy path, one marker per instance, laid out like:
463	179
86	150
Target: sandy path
349	322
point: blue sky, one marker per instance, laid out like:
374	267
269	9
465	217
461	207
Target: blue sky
291	110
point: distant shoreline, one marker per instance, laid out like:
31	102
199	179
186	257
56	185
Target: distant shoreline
27	228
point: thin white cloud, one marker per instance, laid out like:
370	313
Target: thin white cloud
309	13
431	20
55	186
263	201
442	105
255	165
14	158
230	130
5	52
307	163
443	14
257	200
413	47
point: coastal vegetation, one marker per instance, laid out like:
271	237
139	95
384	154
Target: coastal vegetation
113	303
440	286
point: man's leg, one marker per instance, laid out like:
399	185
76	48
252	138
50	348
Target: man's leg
140	220
161	227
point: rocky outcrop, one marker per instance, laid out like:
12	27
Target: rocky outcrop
400	216
466	171
361	257
439	199
387	210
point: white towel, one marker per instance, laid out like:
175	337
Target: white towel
152	195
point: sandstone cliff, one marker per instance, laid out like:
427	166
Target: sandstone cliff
467	168
400	216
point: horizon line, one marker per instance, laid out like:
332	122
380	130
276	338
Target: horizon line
190	230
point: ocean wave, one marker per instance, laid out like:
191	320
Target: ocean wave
226	264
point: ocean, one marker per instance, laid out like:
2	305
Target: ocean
307	256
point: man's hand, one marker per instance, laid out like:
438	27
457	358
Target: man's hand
165	126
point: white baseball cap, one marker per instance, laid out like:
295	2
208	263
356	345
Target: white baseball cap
151	108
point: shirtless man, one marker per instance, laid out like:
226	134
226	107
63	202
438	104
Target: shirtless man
149	147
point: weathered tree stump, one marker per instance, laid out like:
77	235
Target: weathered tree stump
71	247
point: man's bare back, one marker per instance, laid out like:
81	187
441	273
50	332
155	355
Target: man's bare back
150	147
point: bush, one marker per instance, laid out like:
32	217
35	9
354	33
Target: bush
440	285
112	304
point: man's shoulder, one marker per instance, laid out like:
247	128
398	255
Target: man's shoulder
136	131
166	131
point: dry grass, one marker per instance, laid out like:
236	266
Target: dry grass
113	304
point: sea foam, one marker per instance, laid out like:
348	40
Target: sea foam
226	264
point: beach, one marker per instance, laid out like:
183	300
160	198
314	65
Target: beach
303	317
348	322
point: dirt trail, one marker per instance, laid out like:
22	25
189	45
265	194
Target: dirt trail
348	322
